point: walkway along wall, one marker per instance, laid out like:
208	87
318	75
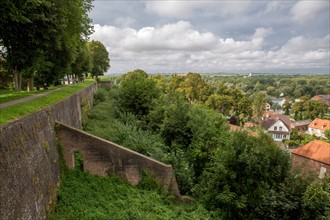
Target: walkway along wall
29	165
102	157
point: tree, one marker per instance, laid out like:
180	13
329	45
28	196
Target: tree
287	107
100	58
137	93
314	108
258	105
209	131
83	63
222	103
194	88
240	172
41	37
316	200
327	134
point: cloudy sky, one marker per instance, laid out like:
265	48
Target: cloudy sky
214	36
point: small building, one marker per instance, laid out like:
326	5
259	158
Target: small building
318	126
313	157
323	98
301	125
278	126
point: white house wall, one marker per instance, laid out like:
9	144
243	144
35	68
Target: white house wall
278	124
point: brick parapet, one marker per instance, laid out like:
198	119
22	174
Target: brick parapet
102	157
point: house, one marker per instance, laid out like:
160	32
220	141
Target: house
278	126
318	127
313	157
301	125
323	98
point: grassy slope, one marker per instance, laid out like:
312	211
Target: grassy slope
83	196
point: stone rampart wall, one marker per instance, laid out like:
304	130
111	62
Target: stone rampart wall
29	161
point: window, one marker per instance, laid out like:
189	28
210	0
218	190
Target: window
280	128
275	128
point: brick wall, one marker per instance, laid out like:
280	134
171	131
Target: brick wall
308	165
101	157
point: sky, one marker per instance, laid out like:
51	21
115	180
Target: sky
214	36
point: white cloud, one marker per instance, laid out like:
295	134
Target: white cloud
306	10
178	36
179	47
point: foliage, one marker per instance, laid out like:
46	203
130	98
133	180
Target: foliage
327	134
194	88
50	33
316	200
100	58
100	95
258	105
137	93
240	172
298	139
284	201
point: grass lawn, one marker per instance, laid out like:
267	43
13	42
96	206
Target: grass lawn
22	109
7	95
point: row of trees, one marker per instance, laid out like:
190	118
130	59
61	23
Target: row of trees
293	86
233	174
47	39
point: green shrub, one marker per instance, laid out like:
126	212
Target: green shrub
100	95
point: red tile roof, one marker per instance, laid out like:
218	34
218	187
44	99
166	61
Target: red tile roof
320	124
249	124
315	150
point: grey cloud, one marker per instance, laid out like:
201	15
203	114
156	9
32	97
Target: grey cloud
259	36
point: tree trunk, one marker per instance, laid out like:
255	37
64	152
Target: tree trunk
30	84
17	80
20	81
67	76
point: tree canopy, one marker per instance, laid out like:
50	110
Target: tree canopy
42	38
100	58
